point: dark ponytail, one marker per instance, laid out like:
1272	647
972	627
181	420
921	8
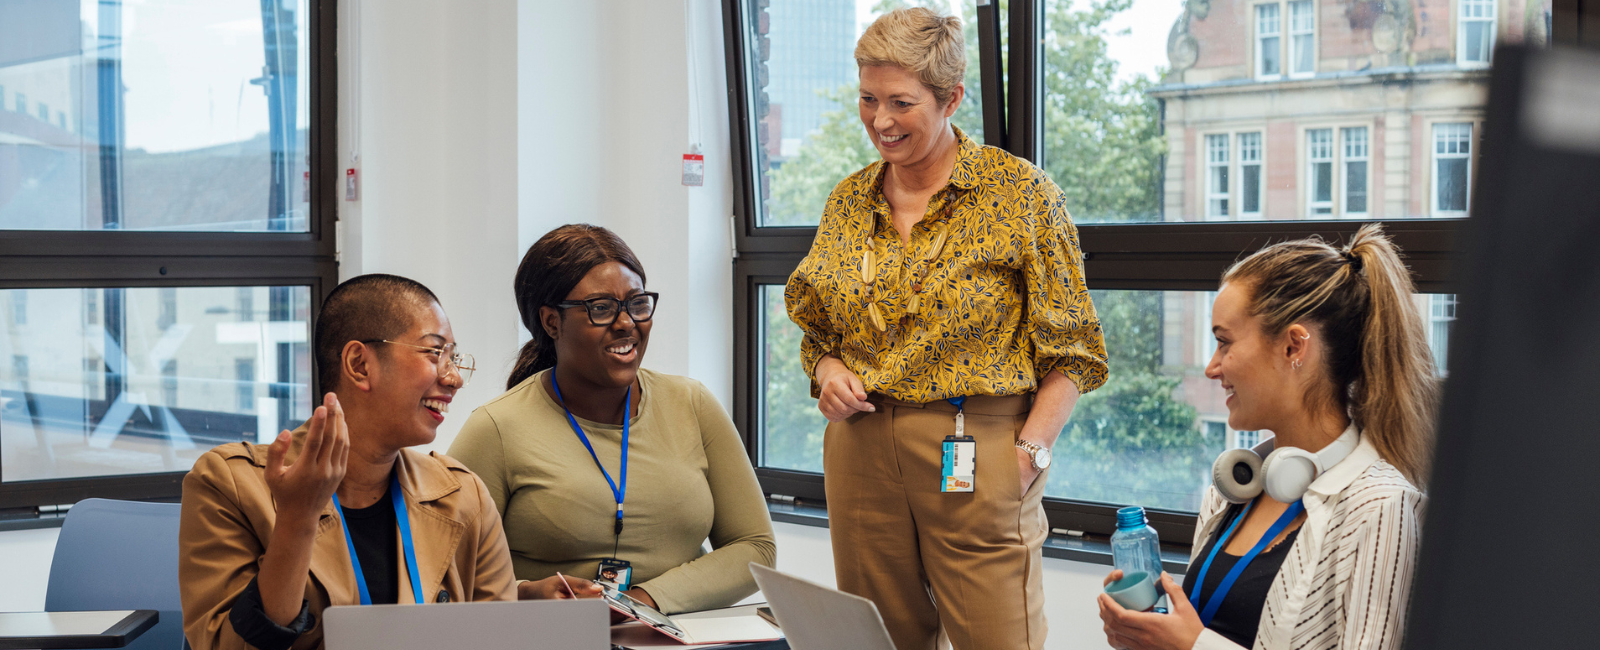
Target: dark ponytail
550	269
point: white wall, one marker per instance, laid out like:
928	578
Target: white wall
480	125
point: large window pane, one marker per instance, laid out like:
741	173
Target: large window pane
1134	89
1149	436
154	115
790	423
104	382
803	97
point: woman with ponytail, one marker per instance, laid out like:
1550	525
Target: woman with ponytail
1324	347
601	468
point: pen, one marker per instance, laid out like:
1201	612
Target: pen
568	585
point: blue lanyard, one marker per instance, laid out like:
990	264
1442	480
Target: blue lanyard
1215	601
618	492
404	521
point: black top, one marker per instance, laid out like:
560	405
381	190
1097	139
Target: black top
375	531
1239	615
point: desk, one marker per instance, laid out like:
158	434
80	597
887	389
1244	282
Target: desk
658	641
53	630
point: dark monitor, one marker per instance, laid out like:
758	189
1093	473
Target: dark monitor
1510	552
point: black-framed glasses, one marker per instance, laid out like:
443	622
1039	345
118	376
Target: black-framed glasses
445	358
603	311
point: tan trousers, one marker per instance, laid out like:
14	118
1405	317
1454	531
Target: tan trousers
967	561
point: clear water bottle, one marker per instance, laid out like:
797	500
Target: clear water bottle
1136	550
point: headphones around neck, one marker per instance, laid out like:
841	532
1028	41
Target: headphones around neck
1241	474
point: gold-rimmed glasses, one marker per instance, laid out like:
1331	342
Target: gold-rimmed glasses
444	358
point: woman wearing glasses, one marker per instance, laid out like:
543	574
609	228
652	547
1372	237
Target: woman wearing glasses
605	470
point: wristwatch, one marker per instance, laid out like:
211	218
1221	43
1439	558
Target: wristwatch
1039	456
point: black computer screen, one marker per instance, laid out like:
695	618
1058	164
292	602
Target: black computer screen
1510	552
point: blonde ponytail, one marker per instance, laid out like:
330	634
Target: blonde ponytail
1396	399
1377	359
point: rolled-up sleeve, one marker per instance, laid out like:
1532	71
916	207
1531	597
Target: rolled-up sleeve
1061	320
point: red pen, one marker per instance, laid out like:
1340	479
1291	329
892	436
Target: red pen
568	585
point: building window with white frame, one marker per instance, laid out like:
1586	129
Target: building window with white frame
1206	341
1250	185
1452	152
1357	152
1269	41
1302	37
1319	172
1217	185
1441	317
1475	32
1245	439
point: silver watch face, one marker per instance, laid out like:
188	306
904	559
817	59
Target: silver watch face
1041	458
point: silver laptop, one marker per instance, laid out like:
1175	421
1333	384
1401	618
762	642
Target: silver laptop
523	625
814	617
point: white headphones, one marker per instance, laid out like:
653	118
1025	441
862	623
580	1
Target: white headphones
1241	474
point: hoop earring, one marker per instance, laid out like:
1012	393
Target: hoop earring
1305	337
1296	364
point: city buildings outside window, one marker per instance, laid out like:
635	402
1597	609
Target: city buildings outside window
1355	151
1452	149
1245	439
19	308
1217	176
1475	33
244	372
1269	41
22	103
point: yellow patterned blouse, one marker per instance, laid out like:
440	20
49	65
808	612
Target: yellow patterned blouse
1002	299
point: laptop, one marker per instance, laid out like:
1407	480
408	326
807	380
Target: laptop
514	625
814	617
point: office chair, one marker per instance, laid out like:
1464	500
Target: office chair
120	555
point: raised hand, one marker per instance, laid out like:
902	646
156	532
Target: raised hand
303	489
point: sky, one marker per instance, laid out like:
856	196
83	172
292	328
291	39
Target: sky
1140	51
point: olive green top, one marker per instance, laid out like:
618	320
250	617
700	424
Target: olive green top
689	479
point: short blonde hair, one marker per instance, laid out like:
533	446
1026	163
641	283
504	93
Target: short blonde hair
919	40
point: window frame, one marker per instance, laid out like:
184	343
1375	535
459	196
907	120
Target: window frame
1211	195
1289	39
1260	163
38	259
1473	129
1462	22
1345	159
1164	255
1312	205
1259	47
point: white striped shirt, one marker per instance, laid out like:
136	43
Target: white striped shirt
1346	582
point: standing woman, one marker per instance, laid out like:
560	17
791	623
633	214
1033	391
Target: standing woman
943	294
1323	347
602	469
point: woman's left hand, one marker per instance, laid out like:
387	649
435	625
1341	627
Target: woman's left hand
1131	630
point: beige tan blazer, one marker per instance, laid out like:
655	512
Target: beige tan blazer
228	517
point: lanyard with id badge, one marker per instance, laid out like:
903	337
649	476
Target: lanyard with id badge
960	454
614	572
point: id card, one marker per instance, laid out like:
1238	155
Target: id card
615	573
960	459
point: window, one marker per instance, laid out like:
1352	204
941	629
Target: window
1302	38
1245	439
19	369
19	309
1122	120
247	304
1217	176
1452	150
244	372
1441	319
132	340
1355	172
1319	172
1269	41
1475	32
1250	181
